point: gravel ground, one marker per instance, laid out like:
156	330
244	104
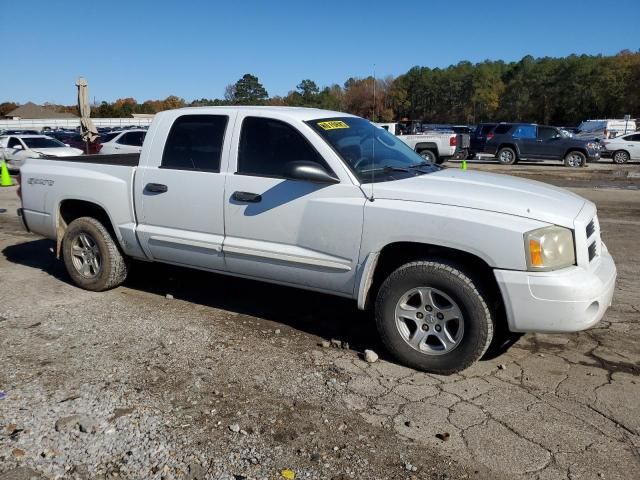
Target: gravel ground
184	374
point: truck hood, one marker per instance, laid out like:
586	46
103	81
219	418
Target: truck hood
486	191
58	151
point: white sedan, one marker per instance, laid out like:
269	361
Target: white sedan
127	141
16	148
623	148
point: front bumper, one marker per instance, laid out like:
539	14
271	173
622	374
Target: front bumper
567	300
593	156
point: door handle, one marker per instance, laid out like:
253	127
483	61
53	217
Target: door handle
247	197
156	188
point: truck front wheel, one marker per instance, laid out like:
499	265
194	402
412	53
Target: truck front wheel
91	256
431	317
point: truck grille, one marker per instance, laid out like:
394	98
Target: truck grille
592	232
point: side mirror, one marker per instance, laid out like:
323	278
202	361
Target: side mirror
310	172
18	147
67	145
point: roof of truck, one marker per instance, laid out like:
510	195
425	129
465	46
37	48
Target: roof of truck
300	113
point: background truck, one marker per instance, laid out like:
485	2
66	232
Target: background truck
434	145
448	260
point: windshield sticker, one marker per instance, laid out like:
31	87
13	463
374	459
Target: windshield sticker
332	125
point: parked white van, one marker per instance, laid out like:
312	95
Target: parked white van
605	129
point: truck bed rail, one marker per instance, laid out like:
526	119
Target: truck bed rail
120	159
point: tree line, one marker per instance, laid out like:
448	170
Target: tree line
558	91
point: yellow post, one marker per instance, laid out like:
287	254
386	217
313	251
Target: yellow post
5	178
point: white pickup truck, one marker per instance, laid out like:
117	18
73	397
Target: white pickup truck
435	146
321	200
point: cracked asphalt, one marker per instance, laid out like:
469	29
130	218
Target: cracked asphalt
550	407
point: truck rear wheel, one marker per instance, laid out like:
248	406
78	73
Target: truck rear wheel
507	156
91	256
429	156
431	317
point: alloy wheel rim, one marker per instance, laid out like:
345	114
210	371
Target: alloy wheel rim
86	256
575	160
620	157
429	321
505	156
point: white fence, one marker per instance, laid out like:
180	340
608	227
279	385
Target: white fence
39	124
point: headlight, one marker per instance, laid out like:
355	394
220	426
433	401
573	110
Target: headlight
549	248
593	146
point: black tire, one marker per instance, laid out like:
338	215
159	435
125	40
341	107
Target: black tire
620	157
471	156
507	156
575	159
429	155
477	318
112	265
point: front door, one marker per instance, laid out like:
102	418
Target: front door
549	144
632	143
180	204
289	231
130	142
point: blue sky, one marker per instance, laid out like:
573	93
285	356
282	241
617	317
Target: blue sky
151	49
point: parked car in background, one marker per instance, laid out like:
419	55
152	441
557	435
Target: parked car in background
127	141
479	137
19	132
448	260
605	129
76	141
16	148
624	148
512	142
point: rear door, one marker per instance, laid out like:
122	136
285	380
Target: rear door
525	137
290	231
180	201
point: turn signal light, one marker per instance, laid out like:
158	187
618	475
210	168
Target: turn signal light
535	252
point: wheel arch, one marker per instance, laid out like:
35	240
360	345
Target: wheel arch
70	209
427	146
575	149
512	146
396	254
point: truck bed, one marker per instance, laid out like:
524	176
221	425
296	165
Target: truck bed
121	159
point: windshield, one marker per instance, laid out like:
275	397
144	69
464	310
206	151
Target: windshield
591	126
42	142
372	153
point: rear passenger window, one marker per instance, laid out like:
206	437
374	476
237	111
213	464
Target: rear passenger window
195	143
486	129
267	146
500	129
525	131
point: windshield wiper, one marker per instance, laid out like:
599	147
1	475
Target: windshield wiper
385	169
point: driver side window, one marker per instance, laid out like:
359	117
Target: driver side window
268	145
546	133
